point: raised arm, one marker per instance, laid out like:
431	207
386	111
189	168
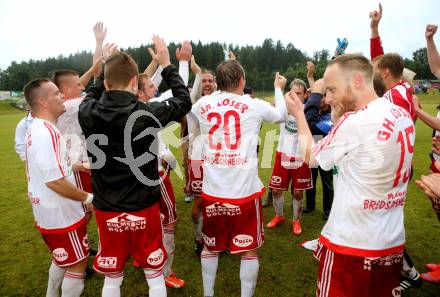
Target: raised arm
305	140
100	33
183	55
177	106
433	56
375	42
196	91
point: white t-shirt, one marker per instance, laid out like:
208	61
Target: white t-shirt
370	151
229	126
71	131
288	144
47	160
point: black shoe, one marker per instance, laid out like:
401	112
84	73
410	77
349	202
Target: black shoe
408	283
198	247
307	210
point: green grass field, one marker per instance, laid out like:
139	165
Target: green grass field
285	268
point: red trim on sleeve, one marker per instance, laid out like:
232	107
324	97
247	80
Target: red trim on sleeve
376	49
72	227
56	145
359	252
241	200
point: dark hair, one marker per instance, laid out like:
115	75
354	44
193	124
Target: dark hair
354	62
58	76
31	91
248	90
379	85
119	69
228	74
392	62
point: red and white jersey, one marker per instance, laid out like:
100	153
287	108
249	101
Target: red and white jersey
229	126
288	143
401	95
47	160
370	152
71	131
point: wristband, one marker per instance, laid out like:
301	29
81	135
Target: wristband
89	199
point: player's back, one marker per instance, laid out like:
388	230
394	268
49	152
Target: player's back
375	149
230	125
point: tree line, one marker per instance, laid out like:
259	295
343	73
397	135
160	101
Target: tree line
260	63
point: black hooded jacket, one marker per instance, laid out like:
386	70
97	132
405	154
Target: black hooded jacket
127	175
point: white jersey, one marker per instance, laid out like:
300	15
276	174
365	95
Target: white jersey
230	125
47	160
71	131
288	143
20	135
370	152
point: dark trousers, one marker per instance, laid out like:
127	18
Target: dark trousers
327	189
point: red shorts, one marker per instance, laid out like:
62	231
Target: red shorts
84	182
238	227
349	276
287	169
195	177
167	202
70	247
123	234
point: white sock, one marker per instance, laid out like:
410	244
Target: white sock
56	275
209	271
407	270
297	208
73	284
112	284
249	267
199	228
168	240
278	205
156	283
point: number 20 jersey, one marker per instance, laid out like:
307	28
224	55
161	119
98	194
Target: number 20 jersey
229	126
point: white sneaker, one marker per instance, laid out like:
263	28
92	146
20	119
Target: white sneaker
310	245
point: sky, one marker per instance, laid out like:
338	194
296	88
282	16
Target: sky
46	28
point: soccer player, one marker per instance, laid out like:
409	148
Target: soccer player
204	85
56	201
146	91
290	167
232	213
370	150
125	185
390	68
72	85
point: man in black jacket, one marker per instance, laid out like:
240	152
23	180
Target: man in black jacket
125	178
